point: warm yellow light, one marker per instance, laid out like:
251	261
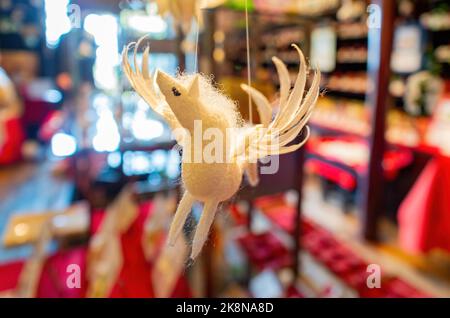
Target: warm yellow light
219	36
219	55
21	229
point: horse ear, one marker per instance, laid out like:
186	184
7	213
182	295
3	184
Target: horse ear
194	89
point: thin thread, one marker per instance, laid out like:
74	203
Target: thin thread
197	36
249	73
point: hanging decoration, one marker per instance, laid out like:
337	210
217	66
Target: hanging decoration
184	11
191	105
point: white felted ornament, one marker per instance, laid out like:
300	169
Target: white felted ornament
185	101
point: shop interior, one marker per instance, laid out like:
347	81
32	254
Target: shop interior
93	183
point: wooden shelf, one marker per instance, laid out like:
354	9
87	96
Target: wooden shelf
343	94
334	130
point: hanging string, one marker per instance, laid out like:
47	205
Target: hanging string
249	64
197	36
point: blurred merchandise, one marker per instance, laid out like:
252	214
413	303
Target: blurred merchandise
423	90
439	130
350	82
11	129
351	9
437	19
91	171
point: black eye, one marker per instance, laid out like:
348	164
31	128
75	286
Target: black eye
175	91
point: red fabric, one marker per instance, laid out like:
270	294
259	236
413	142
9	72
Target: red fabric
9	275
335	255
135	279
52	282
266	251
314	143
293	292
283	217
275	209
394	160
133	282
35	110
343	178
52	124
55	274
238	217
424	215
11	149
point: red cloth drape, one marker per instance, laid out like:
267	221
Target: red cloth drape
424	216
11	149
135	279
52	283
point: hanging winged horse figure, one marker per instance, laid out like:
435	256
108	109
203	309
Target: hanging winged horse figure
185	100
184	11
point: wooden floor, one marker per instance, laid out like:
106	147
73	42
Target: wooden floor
29	188
430	273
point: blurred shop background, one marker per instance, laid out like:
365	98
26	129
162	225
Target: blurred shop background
90	175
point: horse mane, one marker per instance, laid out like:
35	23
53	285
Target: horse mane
215	99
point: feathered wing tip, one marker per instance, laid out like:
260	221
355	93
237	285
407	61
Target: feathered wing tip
262	105
143	82
140	79
295	111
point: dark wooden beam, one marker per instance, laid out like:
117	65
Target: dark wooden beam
298	215
179	50
380	48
